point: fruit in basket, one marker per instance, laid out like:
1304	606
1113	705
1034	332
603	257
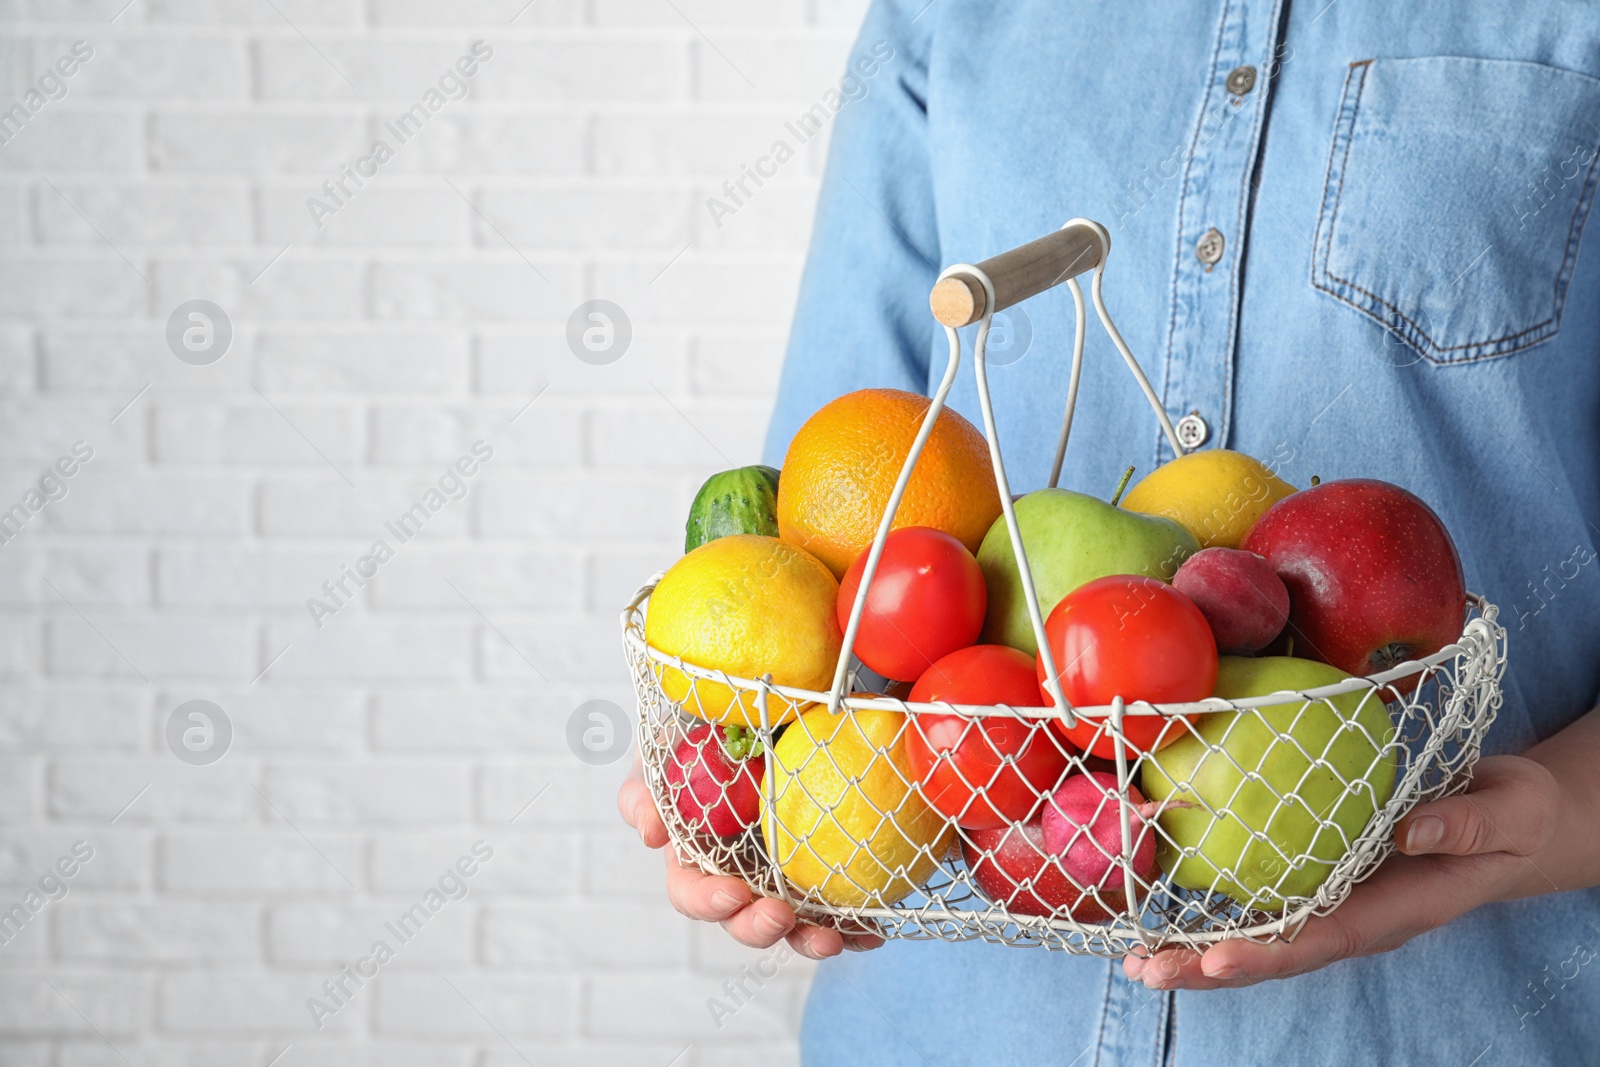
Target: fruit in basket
714	778
1082	824
1306	775
1134	637
1240	595
980	674
846	820
749	606
743	500
992	770
1373	576
842	465
1216	494
926	600
1011	866
1071	538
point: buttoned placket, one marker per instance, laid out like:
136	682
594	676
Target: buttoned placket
1213	225
1197	381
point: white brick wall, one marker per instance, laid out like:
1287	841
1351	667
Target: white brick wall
368	354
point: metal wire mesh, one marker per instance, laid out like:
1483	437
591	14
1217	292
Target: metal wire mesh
1244	818
1241	818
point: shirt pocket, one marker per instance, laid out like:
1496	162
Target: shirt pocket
1455	198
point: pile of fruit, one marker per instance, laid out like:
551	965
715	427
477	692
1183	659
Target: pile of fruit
1211	577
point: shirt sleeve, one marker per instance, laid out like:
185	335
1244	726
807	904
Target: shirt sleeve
862	320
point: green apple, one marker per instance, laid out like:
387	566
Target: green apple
1071	538
1330	762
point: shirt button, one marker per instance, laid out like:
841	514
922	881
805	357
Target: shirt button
1209	248
1192	430
1241	80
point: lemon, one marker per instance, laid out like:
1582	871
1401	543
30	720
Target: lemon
1217	495
847	820
750	606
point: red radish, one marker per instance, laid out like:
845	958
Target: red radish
716	784
1012	867
1083	825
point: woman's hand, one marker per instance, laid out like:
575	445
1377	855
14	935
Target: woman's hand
755	921
1511	835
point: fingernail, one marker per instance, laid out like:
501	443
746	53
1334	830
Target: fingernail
1226	970
768	925
723	900
1159	970
1425	833
830	951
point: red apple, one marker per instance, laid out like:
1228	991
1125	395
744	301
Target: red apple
1011	866
1240	595
1061	860
1372	574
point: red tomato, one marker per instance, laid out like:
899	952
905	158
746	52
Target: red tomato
1133	637
927	599
983	773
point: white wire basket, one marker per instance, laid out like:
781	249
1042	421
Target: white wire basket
1241	820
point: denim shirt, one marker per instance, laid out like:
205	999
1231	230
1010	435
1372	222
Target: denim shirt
1348	239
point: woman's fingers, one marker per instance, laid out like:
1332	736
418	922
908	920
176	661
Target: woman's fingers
639	810
1234	963
1512	808
702	896
755	921
1407	896
862	942
765	920
761	923
1456	854
816	942
1164	969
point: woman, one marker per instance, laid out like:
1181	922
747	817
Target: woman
1344	240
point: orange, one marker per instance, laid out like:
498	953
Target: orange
842	465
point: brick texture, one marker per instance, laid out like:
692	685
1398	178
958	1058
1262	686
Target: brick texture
418	720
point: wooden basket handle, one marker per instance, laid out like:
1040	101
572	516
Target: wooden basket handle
1024	271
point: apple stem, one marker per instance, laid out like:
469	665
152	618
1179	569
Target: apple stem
1127	475
1288	648
1390	655
1316	480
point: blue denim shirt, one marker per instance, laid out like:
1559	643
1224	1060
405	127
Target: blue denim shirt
1399	289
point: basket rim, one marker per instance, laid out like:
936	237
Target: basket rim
1477	637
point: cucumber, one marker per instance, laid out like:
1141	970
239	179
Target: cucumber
740	501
